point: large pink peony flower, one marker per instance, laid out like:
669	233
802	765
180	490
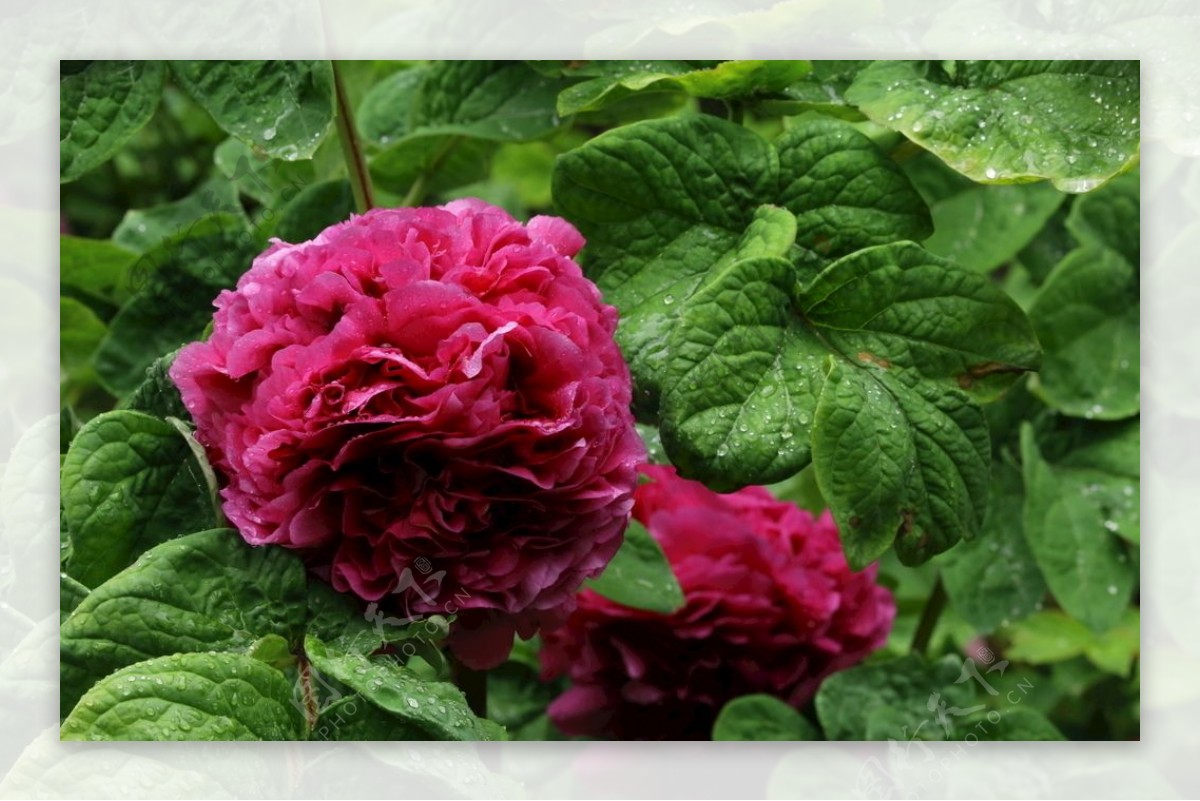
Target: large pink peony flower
428	404
772	607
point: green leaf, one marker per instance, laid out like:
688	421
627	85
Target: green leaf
143	230
129	482
994	580
1070	524
314	209
269	181
157	395
188	697
639	576
984	227
384	112
457	113
1049	247
208	591
617	80
663	203
354	719
901	689
1116	650
80	333
100	108
1073	122
274	650
875	308
1110	217
1049	637
1087	316
1053	637
899	466
283	108
517	699
70	594
744	375
823	90
177	283
1021	723
341	622
761	717
438	709
95	270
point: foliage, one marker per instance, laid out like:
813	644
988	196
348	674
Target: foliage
908	290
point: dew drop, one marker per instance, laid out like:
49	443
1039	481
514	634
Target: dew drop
990	172
268	134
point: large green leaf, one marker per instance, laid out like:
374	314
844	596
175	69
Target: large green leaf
70	594
1023	724
457	111
95	271
822	90
100	108
271	182
901	450
1087	316
984	227
664	202
993	580
899	466
281	107
1073	122
891	700
129	482
640	576
143	230
437	709
1071	516
761	717
208	591
1053	636
189	697
176	282
610	82
80	333
1110	217
352	718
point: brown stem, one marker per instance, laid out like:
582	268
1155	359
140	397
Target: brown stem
356	164
311	713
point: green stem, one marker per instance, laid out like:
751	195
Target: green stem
356	165
473	683
929	618
737	111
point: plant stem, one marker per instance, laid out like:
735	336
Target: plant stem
473	683
929	618
311	713
737	111
356	165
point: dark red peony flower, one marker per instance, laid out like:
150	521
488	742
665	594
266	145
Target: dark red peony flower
429	405
772	607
